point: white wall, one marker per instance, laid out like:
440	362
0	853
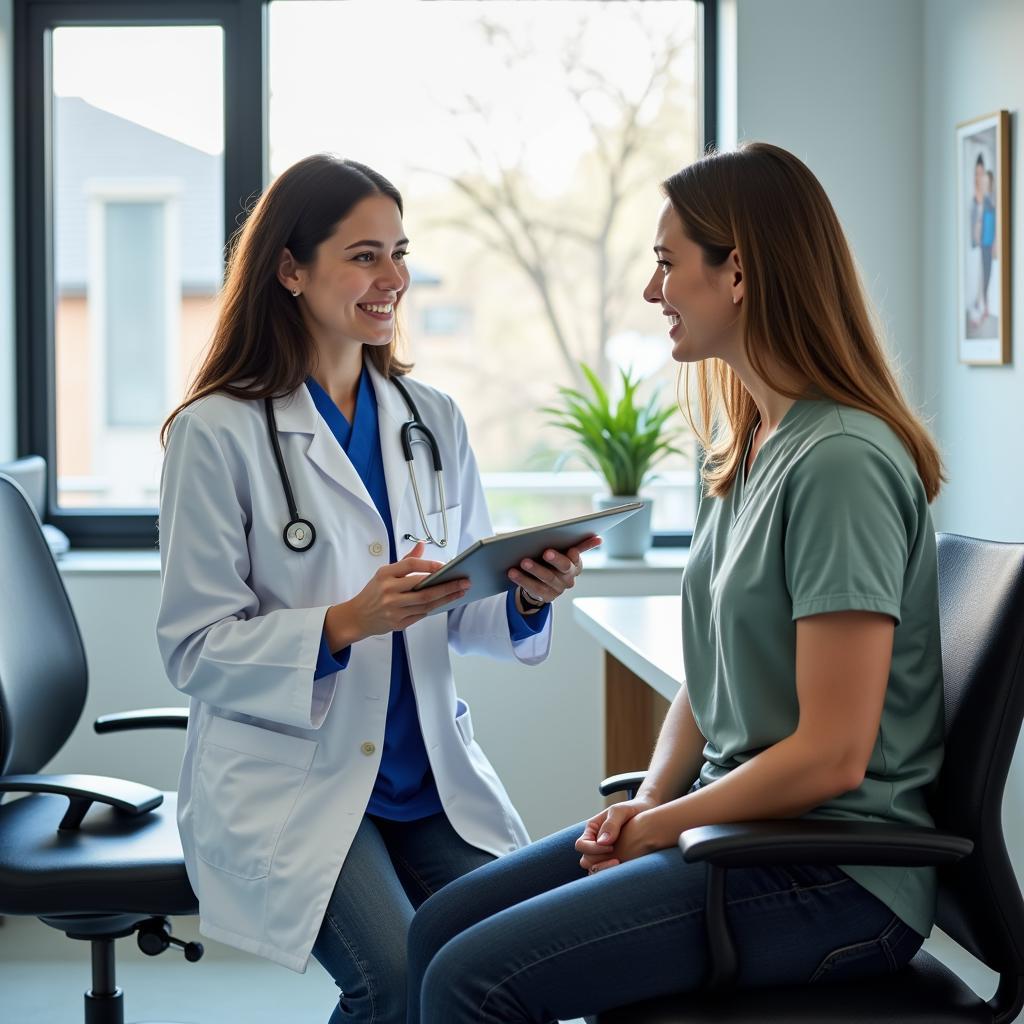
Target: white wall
868	93
973	66
838	83
7	423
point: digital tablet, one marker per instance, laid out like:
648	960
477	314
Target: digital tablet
486	562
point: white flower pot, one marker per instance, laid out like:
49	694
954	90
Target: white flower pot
632	537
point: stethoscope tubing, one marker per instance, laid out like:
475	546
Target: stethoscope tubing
300	534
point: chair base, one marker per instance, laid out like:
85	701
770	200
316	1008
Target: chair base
109	1009
105	1008
104	1002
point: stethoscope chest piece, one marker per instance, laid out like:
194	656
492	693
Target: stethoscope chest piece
299	535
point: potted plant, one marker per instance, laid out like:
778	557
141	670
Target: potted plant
623	441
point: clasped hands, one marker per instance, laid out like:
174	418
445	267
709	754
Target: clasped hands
622	832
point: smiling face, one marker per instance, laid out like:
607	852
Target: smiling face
348	294
699	300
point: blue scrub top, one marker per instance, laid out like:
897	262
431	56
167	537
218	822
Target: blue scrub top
404	789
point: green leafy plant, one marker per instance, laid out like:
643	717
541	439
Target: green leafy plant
624	440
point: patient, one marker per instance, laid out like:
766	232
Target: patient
810	636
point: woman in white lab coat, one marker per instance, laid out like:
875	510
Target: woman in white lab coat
331	781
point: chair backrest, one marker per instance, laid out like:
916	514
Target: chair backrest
43	674
981	608
29	473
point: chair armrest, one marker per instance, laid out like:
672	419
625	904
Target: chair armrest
82	791
821	842
800	841
144	718
628	782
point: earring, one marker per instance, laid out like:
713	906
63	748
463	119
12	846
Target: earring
295	293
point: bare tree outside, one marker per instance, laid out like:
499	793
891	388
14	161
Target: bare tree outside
539	235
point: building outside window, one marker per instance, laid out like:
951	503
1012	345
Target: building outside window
138	248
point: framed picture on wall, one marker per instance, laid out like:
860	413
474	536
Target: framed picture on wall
983	239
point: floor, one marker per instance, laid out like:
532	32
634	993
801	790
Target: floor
43	976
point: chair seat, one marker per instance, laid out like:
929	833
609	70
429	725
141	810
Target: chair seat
111	863
924	992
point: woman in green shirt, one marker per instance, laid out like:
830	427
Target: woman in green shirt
810	641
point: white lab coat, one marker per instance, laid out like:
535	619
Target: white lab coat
278	768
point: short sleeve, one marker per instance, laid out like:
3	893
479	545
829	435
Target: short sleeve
849	519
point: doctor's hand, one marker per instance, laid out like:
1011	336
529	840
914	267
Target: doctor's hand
604	830
388	603
557	574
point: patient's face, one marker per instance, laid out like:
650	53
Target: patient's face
696	298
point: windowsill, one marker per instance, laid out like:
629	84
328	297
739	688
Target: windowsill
672	559
130	563
111	562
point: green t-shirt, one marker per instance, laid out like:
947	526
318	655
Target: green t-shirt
833	517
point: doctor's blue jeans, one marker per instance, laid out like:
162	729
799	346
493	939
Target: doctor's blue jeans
391	868
531	938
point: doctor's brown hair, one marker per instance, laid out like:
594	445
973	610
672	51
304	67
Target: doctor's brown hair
803	308
260	346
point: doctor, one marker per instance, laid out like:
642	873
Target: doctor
331	782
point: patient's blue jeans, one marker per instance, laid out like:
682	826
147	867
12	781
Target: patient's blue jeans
391	868
530	937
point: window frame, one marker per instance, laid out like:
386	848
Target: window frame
244	24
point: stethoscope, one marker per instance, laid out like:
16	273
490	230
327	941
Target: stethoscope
300	534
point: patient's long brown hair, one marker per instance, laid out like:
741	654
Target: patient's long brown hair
803	310
260	346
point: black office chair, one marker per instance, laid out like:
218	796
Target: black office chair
981	598
97	858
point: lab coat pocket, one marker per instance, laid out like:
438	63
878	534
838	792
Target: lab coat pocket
464	721
248	780
436	522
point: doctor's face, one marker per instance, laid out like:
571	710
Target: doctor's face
349	293
700	301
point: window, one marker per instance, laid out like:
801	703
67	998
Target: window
446	320
528	141
137	217
144	127
137	134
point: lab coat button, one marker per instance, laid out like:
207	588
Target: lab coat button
368	748
376	549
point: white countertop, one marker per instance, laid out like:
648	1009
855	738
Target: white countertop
644	633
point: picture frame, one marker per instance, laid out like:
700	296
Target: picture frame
983	261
